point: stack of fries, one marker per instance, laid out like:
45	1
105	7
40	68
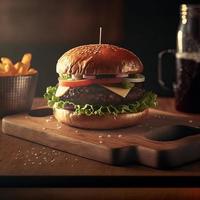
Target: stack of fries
7	68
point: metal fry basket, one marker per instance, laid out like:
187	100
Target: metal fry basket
17	93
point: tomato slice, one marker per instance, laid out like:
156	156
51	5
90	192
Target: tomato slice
86	82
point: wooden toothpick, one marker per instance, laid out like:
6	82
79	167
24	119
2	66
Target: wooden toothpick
100	34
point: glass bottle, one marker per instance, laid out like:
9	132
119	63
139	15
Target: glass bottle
187	87
187	54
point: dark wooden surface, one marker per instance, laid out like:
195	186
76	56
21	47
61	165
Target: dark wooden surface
18	157
101	194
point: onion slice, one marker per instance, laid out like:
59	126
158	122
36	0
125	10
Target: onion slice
138	79
61	90
76	77
122	75
89	77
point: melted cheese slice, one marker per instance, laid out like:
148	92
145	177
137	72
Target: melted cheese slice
117	90
61	91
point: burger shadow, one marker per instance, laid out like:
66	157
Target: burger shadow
41	112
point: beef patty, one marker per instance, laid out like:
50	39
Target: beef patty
98	95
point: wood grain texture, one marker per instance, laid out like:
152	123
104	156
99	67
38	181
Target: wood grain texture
117	147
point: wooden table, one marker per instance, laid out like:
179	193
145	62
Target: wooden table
18	168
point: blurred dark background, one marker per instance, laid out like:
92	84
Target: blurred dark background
48	28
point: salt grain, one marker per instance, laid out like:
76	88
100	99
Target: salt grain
108	135
100	142
190	121
44	128
39	163
100	136
119	135
51	117
59	126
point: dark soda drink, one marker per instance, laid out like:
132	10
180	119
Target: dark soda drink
187	91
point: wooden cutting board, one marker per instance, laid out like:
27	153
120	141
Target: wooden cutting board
163	140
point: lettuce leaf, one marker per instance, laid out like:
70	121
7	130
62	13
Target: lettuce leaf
147	101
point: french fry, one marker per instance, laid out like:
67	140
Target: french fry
26	59
32	71
5	60
1	67
7	68
20	68
17	66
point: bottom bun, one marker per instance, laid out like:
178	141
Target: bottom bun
99	122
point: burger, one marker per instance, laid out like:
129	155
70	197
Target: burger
100	86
